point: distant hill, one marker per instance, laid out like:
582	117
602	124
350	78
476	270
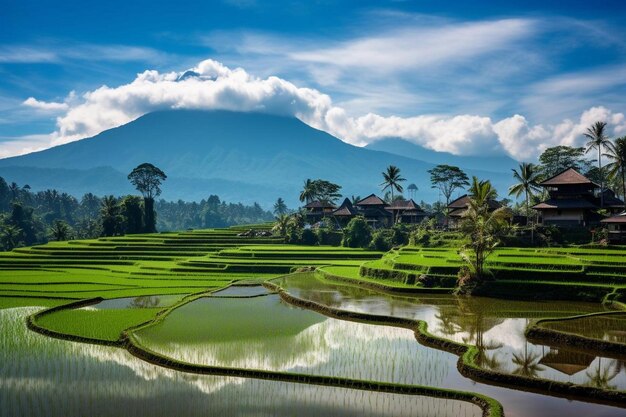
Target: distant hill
242	157
500	163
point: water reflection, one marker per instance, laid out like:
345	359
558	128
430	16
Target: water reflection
40	376
495	326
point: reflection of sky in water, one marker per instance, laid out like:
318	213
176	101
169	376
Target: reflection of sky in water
330	347
43	376
497	326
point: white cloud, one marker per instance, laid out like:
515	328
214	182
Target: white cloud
58	53
211	85
416	48
45	105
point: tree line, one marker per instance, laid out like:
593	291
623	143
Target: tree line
28	217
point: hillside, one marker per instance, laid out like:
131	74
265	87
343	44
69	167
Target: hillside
243	157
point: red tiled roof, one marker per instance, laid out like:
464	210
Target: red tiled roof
568	177
371	200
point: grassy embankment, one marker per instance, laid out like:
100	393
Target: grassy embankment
152	265
548	273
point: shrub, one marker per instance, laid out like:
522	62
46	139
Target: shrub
308	237
382	240
357	233
327	236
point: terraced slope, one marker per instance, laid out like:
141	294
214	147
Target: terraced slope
590	274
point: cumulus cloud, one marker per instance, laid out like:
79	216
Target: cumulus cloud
211	85
45	105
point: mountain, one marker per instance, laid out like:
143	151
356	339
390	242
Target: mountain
498	163
242	157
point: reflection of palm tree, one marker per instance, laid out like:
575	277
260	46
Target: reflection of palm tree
527	363
447	325
601	377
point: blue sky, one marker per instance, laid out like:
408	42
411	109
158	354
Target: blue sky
464	77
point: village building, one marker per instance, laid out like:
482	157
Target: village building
374	210
317	210
457	208
617	227
406	211
574	201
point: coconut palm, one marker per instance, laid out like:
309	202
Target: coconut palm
10	236
60	230
597	139
526	175
392	179
281	224
309	191
617	169
280	207
483	227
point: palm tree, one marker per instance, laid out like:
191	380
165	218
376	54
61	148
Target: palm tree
617	169
10	236
392	179
280	207
281	224
598	140
483	227
60	230
110	216
526	177
309	191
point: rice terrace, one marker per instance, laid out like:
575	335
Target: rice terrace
313	208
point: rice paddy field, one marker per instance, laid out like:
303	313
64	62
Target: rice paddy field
207	322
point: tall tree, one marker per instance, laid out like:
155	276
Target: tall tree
447	179
309	191
280	207
11	236
319	189
133	213
392	179
60	231
526	176
111	217
616	152
558	158
598	139
483	228
147	179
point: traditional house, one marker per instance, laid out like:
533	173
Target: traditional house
344	213
317	210
457	208
617	227
574	200
406	211
374	209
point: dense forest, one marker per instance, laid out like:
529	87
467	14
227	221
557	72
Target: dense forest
28	217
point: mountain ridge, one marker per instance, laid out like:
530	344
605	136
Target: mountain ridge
242	157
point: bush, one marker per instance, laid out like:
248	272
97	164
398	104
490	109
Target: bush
357	234
382	240
308	237
327	236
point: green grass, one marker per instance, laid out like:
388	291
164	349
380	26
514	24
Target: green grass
96	324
